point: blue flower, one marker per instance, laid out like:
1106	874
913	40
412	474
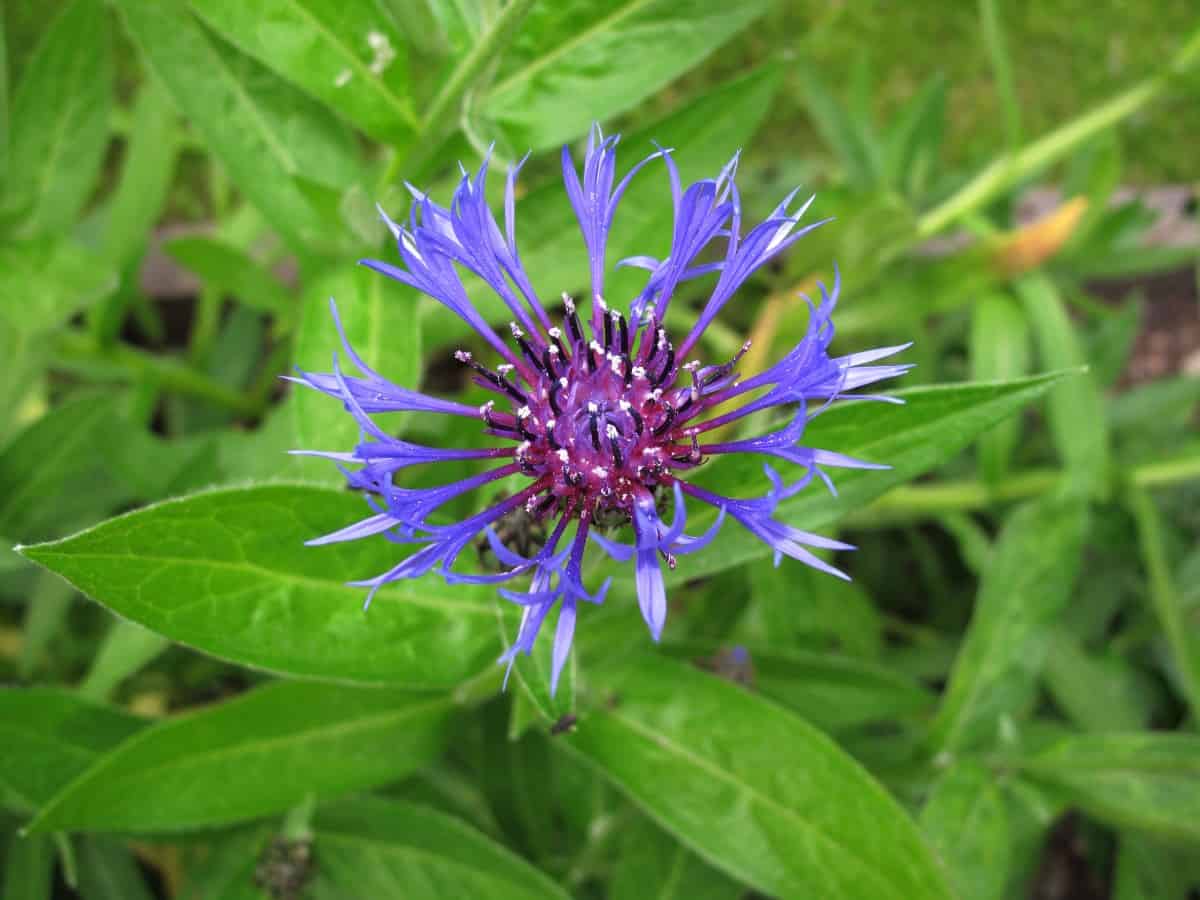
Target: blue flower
604	419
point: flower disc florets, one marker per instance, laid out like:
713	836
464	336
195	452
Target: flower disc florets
596	408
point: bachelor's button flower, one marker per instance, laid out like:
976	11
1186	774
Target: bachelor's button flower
599	410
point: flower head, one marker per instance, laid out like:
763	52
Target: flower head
598	407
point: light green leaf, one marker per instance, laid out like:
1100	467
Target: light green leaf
28	866
227	572
224	266
45	281
1101	691
999	347
149	161
614	54
651	864
4	125
125	650
60	121
966	822
846	134
933	425
371	847
259	753
752	789
345	53
913	141
108	871
1027	584
46	613
49	736
383	328
1076	407
257	138
1142	780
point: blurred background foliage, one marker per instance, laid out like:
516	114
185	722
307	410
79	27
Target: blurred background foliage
1002	704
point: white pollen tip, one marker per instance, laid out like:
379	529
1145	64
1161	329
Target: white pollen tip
568	302
611	431
523	446
550	423
552	350
639	372
524	412
625	405
600	472
564	455
516	331
554	332
592	407
462	355
595	345
504	368
600	303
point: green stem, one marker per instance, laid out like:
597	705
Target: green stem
911	502
434	124
171	374
1006	171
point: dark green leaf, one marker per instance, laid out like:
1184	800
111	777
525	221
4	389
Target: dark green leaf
1145	781
48	736
28	866
651	864
150	154
1152	870
227	572
227	869
615	54
49	600
801	607
345	53
846	135
371	847
915	138
60	121
751	788
934	424
4	128
224	266
1023	591
999	351
965	820
108	871
256	137
43	461
1101	691
257	754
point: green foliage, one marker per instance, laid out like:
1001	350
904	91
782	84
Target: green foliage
184	187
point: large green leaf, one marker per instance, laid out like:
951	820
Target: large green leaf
999	351
1144	781
49	736
965	820
1024	589
346	53
257	754
371	847
226	572
751	788
223	266
45	281
28	868
262	137
613	53
60	121
108	871
933	425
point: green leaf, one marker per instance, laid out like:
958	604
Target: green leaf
40	464
1076	407
651	864
345	53
257	754
999	347
832	692
1152	870
28	866
532	672
382	325
966	822
125	650
257	137
933	425
614	54
833	614
1027	584
846	136
226	267
45	615
914	139
1145	781
371	847
227	572
49	736
150	154
60	121
45	281
4	124
1001	61
752	789
108	871
1101	691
